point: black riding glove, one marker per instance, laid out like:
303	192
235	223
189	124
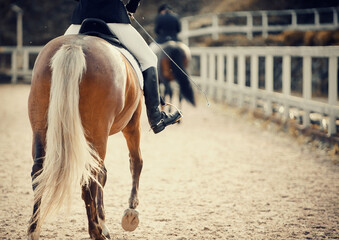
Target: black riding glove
132	6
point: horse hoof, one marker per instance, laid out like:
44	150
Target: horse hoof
130	220
105	234
33	236
102	237
104	228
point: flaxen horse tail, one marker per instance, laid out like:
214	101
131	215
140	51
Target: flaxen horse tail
70	161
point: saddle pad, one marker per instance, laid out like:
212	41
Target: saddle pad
134	64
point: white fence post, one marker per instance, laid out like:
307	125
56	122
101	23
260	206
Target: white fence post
14	64
220	77
307	87
264	24
294	21
211	75
269	83
230	77
254	79
204	71
25	66
332	92
215	27
286	83
335	17
241	78
185	31
316	18
249	26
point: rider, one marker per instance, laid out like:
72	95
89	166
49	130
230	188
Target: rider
167	24
116	15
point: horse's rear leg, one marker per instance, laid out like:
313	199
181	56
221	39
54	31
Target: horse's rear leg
93	194
38	152
89	194
102	176
131	133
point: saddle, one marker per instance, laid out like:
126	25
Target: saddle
98	28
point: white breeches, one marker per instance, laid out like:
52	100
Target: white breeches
130	37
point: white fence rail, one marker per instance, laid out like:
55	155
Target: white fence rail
222	73
21	62
262	22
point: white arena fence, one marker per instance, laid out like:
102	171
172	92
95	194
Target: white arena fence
234	75
259	22
18	63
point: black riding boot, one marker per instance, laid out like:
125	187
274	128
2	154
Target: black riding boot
157	119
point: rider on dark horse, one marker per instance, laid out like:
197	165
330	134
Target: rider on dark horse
173	55
167	25
116	15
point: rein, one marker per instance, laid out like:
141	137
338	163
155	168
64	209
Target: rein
153	40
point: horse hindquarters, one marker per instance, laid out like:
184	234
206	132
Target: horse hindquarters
69	161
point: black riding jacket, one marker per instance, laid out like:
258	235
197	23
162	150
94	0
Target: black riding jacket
167	27
110	11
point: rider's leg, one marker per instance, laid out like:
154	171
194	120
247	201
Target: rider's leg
134	42
148	61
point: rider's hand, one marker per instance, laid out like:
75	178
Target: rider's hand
130	15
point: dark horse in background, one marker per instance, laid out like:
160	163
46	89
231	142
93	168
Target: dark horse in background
83	90
169	72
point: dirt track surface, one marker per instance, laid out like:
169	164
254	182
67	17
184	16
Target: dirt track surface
215	176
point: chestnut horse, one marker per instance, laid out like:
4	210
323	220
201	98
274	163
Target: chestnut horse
83	90
169	71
